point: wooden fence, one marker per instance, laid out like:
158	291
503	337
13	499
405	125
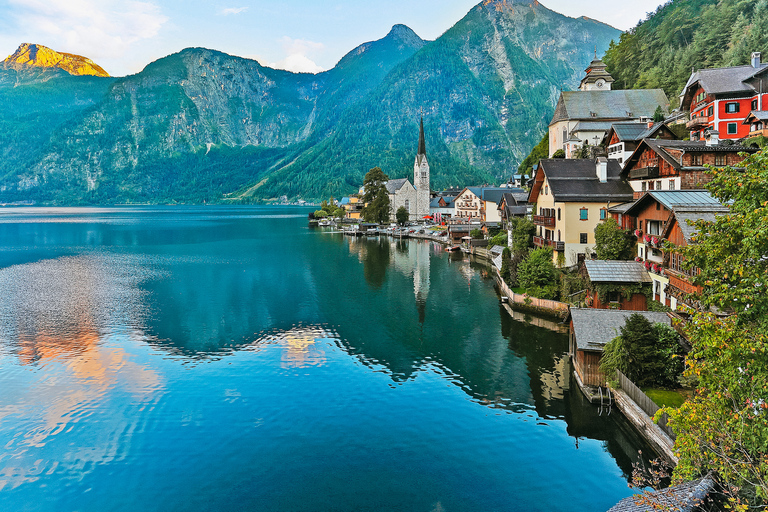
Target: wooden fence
643	401
559	307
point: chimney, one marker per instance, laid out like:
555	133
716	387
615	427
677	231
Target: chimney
650	124
713	138
755	59
601	168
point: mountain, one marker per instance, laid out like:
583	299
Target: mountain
41	57
683	35
202	125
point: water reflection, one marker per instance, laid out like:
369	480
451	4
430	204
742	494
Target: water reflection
58	318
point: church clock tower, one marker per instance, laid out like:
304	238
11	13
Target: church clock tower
421	176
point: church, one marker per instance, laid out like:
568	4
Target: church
587	114
413	197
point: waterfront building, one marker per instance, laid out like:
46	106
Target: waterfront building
664	216
609	280
721	99
401	194
442	208
421	177
572	197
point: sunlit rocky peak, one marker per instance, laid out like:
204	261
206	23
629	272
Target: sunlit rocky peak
38	56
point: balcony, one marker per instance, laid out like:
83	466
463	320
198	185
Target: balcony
681	282
697	122
543	242
544	220
645	172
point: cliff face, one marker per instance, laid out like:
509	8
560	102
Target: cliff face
201	124
39	56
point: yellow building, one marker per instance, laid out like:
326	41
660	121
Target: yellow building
571	198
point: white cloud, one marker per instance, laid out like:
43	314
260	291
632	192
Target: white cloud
94	28
232	10
298	56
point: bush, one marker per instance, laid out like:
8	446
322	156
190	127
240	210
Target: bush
499	239
537	270
476	233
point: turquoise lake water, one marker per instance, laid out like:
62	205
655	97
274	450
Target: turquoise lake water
213	358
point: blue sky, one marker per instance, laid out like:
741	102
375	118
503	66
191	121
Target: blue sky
300	35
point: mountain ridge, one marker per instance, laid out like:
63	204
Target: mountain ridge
30	55
203	125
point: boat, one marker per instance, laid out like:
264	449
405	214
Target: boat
453	248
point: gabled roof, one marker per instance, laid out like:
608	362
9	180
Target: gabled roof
682	219
435	203
756	115
395	185
573	180
594	328
606	105
679	200
614	271
637	131
494	194
716	81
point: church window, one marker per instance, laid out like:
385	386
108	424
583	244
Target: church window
408	205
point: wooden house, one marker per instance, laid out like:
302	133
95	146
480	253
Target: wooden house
609	281
591	330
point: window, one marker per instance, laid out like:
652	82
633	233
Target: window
719	159
558	235
643	186
641	251
407	205
546	190
697	159
650	185
558	214
658	185
710	111
671	184
583	214
754	105
732	128
603	213
583	238
731	108
658	206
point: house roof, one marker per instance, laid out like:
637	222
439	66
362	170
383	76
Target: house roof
660	147
616	105
591	126
636	131
435	203
716	81
756	115
395	185
689	231
514	203
679	200
621	208
494	194
614	271
685	497
576	180
594	328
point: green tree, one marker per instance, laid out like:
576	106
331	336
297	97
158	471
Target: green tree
560	153
476	233
539	151
612	242
376	199
401	215
537	270
658	115
522	236
725	426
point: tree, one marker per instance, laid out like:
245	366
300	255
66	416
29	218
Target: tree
649	354
376	199
560	153
537	270
522	236
401	215
658	115
541	150
725	426
476	233
612	242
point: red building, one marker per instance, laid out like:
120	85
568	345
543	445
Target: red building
720	99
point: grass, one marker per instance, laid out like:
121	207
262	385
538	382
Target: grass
665	397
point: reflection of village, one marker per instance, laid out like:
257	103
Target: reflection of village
531	371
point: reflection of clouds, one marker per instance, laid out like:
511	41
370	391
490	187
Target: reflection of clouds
300	345
56	317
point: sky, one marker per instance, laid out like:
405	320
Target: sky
123	36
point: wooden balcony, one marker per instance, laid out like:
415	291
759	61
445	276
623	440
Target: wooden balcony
697	122
543	242
645	172
681	282
544	220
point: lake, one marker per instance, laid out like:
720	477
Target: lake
233	358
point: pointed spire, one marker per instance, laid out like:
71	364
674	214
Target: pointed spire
422	144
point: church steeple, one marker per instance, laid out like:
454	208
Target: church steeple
422	144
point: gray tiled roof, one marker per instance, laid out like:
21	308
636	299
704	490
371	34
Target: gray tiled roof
448	199
395	185
614	271
593	328
760	115
724	80
597	105
635	131
690	231
685	497
576	180
592	126
679	200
